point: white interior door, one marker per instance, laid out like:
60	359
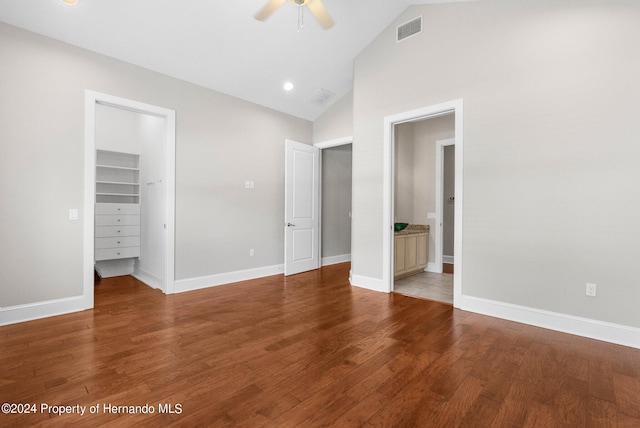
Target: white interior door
301	208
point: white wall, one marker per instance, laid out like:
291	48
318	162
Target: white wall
551	149
118	130
220	142
153	164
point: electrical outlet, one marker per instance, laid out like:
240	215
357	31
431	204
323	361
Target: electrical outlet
591	289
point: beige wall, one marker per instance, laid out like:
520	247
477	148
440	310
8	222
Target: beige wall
220	142
404	188
336	122
551	149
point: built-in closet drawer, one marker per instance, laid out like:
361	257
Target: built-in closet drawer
116	209
106	231
117	253
117	242
117	220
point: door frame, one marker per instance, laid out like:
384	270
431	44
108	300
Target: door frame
92	98
343	141
439	237
334	143
428	112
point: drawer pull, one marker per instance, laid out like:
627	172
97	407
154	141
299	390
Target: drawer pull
118	242
118	253
118	219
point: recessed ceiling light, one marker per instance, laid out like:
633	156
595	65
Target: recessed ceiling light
70	2
288	86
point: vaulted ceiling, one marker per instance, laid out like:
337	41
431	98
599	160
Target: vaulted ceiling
219	45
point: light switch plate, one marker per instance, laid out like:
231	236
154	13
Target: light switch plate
73	214
431	216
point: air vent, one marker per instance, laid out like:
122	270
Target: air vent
321	97
409	29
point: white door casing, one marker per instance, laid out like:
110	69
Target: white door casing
455	107
169	116
440	145
301	213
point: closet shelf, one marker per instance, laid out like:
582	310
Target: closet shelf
125	168
116	194
117	210
123	183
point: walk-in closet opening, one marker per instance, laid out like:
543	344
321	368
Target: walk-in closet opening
130	163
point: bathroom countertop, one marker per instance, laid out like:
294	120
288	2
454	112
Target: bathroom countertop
414	228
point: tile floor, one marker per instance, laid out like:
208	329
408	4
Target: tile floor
428	285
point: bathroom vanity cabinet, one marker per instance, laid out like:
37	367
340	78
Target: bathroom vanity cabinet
411	251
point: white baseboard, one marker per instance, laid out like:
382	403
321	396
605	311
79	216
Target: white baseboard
374	284
149	279
49	308
332	260
599	330
594	329
432	267
198	283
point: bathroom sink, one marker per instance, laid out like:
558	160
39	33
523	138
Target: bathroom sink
400	226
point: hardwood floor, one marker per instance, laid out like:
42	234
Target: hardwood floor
307	350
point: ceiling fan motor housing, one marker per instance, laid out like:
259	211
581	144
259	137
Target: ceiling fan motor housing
315	7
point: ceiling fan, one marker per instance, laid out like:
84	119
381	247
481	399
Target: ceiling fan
316	8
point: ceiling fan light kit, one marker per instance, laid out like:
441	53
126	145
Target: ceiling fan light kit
316	8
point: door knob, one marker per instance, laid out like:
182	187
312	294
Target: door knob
290	225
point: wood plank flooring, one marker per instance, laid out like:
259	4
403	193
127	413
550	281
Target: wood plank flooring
307	351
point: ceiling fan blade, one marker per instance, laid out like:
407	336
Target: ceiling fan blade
320	13
268	9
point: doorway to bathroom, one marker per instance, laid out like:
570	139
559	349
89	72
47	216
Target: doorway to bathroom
416	171
423	199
